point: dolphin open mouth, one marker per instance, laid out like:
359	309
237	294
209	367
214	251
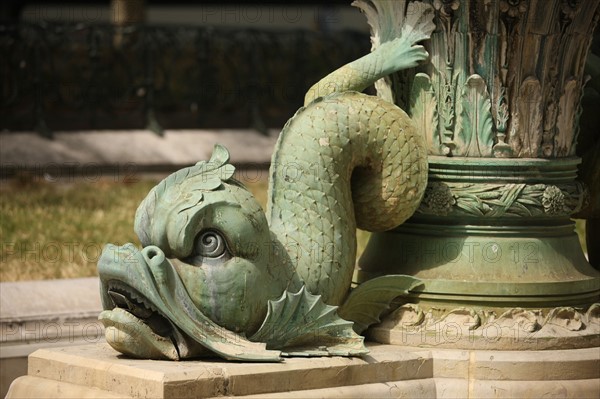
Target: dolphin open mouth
134	320
149	314
137	327
129	299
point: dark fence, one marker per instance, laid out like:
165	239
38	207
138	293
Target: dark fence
81	76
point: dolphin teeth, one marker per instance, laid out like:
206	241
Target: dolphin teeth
139	310
132	301
118	299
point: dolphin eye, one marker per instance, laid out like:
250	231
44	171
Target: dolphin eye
210	244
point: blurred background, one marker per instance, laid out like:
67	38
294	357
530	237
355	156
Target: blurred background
99	100
168	65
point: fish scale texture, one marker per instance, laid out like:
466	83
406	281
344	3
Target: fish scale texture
344	160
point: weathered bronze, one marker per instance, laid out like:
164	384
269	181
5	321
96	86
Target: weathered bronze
486	162
493	242
216	275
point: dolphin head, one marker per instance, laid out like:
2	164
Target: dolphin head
198	277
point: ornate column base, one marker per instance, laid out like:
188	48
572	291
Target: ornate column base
501	264
479	329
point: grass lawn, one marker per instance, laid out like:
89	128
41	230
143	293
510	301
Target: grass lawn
57	230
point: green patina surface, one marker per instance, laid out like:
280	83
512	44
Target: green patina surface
499	105
216	275
491	236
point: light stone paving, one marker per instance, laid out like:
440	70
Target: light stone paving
55	313
140	148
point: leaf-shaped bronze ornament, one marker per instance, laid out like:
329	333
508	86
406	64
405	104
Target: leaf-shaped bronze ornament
296	321
368	301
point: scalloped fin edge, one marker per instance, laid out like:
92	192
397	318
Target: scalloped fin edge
302	325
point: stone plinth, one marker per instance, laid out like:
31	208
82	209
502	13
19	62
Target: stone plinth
96	370
42	314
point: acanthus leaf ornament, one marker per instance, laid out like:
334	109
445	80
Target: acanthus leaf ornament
476	138
525	88
527	138
424	109
543	328
502	200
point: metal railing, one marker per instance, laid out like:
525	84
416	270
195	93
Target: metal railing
57	76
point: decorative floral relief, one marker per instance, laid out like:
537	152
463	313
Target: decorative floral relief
407	315
463	316
416	318
447	114
566	317
438	199
496	200
528	137
569	9
579	112
513	8
525	45
551	114
526	320
423	109
593	314
501	148
553	201
446	7
566	119
476	137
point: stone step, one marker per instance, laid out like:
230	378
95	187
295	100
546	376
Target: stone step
95	370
